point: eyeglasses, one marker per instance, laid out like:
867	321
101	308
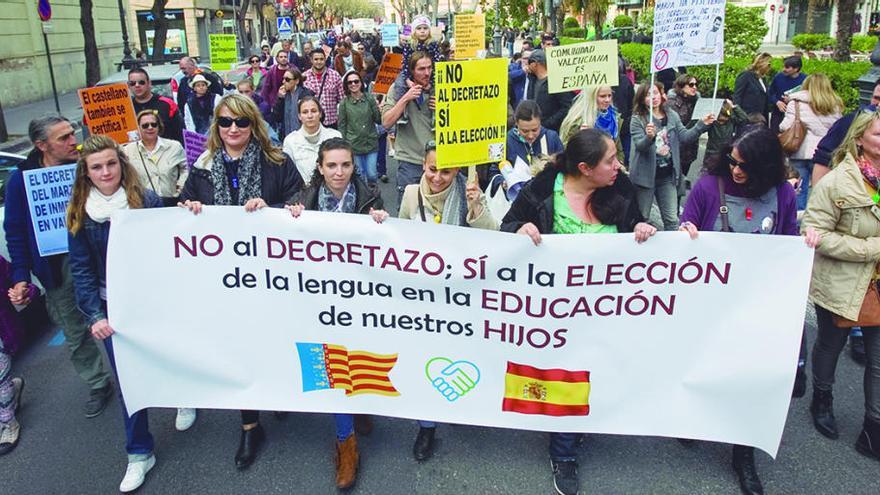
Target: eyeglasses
288	79
150	125
352	82
733	162
241	122
255	61
692	84
139	82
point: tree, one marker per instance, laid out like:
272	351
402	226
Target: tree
846	11
90	45
812	6
160	30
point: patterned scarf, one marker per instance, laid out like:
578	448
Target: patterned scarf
248	177
871	177
449	205
607	121
327	201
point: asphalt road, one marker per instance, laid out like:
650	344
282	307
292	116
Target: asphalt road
61	452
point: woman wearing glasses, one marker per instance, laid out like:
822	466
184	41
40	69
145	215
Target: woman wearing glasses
358	116
302	145
255	71
160	163
759	200
285	112
682	100
241	168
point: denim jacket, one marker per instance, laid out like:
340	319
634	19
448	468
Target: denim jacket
88	262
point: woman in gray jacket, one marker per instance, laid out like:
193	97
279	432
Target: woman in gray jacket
655	163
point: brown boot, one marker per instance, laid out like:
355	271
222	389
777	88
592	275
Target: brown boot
347	459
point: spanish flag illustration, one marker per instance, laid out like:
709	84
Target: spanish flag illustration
552	392
326	366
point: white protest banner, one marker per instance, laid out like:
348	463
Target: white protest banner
390	35
48	191
687	32
572	67
332	312
706	106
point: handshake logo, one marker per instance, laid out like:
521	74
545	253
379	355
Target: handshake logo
452	379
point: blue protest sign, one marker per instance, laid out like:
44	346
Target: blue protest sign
48	190
284	26
390	35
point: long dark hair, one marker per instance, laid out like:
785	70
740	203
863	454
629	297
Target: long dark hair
762	160
641	108
335	143
589	146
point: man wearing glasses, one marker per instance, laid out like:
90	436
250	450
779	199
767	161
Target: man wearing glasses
143	98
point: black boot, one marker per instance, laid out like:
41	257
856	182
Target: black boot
823	413
423	448
744	465
800	383
249	446
869	440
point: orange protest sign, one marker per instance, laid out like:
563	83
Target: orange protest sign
108	110
391	66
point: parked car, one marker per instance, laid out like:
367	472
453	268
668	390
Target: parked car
8	163
165	78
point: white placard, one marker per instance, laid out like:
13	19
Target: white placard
673	337
687	33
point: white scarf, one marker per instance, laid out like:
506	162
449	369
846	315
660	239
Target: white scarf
100	207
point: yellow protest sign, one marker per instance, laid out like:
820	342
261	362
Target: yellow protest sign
471	112
470	35
223	56
571	67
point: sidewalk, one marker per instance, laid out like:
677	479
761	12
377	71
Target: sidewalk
778	49
18	118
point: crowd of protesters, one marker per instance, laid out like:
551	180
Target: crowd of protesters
304	131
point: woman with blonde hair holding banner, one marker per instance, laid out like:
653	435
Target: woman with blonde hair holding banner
241	168
443	196
818	108
106	182
593	109
583	192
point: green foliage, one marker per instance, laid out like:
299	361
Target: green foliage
811	42
744	29
843	75
623	21
863	43
574	33
570	22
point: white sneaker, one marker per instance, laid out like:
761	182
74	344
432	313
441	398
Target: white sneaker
135	474
185	418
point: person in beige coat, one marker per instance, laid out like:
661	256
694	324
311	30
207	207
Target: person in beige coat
160	163
843	210
441	196
819	108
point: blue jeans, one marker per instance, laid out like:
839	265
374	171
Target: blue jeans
562	447
805	169
344	426
407	173
138	439
366	165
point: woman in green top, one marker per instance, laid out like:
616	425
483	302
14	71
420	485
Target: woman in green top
358	116
583	192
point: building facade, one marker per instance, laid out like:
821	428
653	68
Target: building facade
24	68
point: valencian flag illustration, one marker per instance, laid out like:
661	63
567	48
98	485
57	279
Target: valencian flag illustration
553	392
326	366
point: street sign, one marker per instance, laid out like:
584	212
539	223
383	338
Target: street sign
228	23
47	27
44	9
285	27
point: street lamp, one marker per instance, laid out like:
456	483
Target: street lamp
496	36
127	59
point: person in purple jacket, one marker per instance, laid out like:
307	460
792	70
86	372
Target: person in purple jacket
759	200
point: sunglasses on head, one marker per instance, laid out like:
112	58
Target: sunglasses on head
241	122
139	82
150	125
